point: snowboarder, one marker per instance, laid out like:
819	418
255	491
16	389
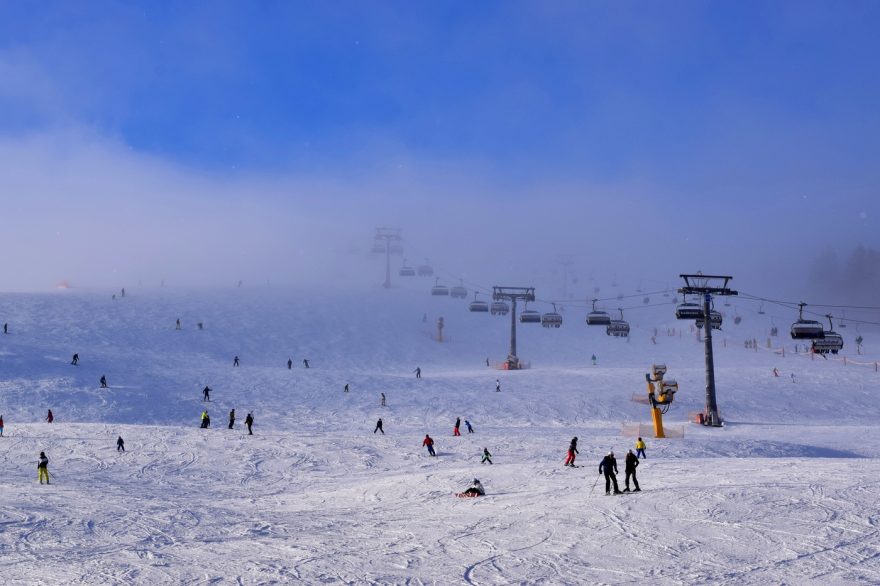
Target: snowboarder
572	452
775	372
1	426
206	393
289	364
640	448
476	489
232	419
177	324
50	418
418	372
497	386
43	468
235	361
75	360
629	468
457	425
487	457
306	362
249	421
120	444
206	420
467	424
379	427
103	381
608	467
382	400
429	443
594	359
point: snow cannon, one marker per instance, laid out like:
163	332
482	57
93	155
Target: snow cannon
661	393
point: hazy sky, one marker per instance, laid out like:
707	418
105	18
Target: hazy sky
211	141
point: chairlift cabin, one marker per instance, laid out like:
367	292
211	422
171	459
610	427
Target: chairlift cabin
458	291
499	308
715	320
477	306
806	329
426	270
688	310
761	309
551	319
438	289
597	317
529	316
618	327
407	271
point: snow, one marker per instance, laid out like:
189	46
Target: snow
787	492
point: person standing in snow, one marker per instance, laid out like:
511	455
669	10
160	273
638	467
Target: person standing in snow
775	372
206	420
6	328
457	425
235	361
487	457
206	393
594	359
231	419
249	421
1	426
103	381
429	443
497	385
177	324
608	467
120	444
629	468
379	427
306	362
418	372
640	448
50	418
487	361
43	468
467	424
289	364
75	359
572	452
382	400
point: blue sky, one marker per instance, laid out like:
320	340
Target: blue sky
768	106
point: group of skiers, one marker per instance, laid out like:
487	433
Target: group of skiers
248	420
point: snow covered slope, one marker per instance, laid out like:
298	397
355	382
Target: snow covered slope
787	492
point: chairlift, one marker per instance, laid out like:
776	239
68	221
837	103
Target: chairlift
407	271
618	327
806	329
499	308
551	319
426	270
831	342
597	317
395	248
438	289
529	316
646	300
478	306
458	291
761	309
378	247
715	320
688	310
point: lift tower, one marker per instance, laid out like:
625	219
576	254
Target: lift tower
387	240
513	294
706	286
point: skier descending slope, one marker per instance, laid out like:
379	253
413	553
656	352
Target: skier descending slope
120	444
487	457
379	427
572	452
608	466
429	443
630	465
50	418
43	468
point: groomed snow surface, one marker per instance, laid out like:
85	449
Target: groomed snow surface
786	493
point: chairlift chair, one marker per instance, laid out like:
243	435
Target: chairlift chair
438	289
395	248
551	319
688	310
715	320
831	342
458	291
597	317
478	306
806	329
529	316
499	308
407	271
426	270
618	328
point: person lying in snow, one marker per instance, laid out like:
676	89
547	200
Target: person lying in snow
476	489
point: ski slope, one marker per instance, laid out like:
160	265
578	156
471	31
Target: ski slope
787	492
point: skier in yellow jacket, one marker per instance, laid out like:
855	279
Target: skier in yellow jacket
640	448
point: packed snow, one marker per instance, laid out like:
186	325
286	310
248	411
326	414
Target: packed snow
786	493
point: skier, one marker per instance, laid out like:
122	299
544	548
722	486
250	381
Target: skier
476	489
487	361
418	372
43	468
429	443
630	465
793	379
177	324
235	361
487	457
249	421
306	362
572	452
231	419
775	372
457	425
379	427
120	445
1	426
345	388
206	420
640	448
594	359
289	364
608	467
6	328
123	291
497	386
103	381
75	360
200	325
382	400
467	424
50	418
206	393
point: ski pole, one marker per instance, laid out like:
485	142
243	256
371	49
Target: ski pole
595	483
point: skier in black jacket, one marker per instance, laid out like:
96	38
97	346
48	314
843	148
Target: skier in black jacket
379	427
249	421
608	466
630	465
